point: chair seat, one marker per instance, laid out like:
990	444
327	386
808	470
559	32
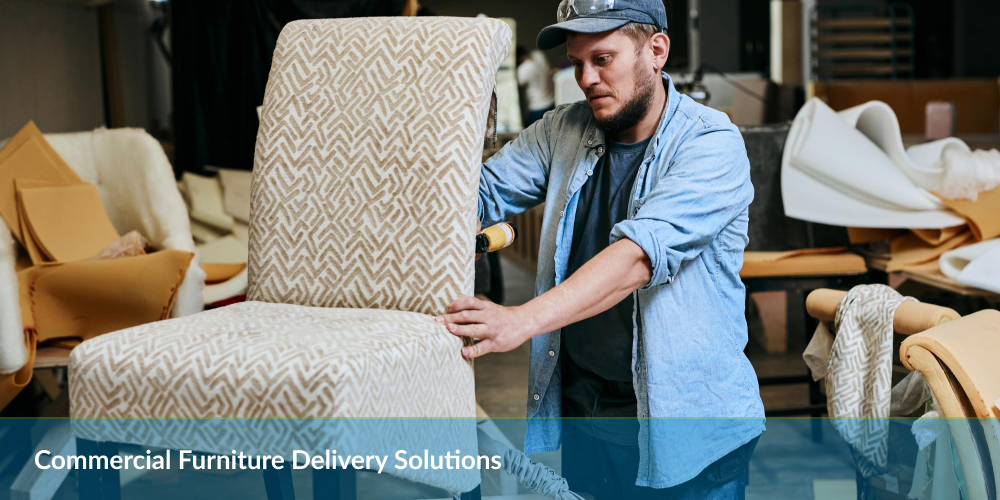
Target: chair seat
797	263
297	363
262	360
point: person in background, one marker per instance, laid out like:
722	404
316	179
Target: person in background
535	75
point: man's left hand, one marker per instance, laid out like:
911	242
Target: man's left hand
498	328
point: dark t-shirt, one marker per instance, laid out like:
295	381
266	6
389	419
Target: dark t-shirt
602	344
597	352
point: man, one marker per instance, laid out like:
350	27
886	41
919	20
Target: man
640	306
535	76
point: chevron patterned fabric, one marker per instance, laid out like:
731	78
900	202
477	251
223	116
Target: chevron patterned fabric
362	213
859	379
262	360
367	163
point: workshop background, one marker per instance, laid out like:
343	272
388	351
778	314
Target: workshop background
191	74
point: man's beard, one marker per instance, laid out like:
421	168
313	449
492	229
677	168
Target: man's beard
634	110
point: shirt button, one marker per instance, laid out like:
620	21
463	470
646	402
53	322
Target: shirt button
590	143
562	213
552	353
536	397
600	150
642	415
590	172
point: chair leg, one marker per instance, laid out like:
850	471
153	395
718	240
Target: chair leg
98	484
278	483
335	484
476	494
111	483
88	480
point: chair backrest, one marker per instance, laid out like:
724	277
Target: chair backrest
367	162
957	359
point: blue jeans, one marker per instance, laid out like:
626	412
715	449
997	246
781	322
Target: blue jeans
607	471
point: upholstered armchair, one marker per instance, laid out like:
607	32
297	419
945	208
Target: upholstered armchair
136	185
363	210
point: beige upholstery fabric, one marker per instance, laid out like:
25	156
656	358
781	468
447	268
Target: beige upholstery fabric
364	196
367	163
275	360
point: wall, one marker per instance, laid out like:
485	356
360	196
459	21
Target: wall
720	34
50	67
531	16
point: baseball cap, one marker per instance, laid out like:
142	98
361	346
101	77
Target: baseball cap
598	16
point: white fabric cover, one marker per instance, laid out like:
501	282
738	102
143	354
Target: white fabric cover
850	169
975	265
13	353
136	185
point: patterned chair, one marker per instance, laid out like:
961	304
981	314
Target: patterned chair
362	224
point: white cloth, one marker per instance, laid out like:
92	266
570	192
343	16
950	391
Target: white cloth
817	353
858	383
968	173
976	265
536	76
850	169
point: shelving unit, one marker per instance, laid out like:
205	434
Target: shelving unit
863	41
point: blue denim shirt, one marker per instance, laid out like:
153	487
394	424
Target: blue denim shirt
689	212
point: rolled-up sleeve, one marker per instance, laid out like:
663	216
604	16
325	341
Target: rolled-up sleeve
515	178
705	187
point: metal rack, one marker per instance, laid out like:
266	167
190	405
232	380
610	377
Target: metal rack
874	40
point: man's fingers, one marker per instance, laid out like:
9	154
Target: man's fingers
478	349
475	331
463	317
464	303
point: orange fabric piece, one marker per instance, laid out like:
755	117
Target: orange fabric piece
67	222
87	298
807	262
861	235
217	273
938	236
12	383
28	156
910	250
983	215
35	255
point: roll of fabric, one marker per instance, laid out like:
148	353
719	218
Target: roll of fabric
849	168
